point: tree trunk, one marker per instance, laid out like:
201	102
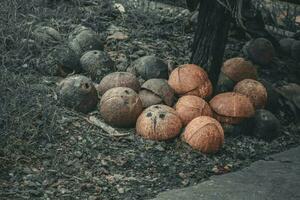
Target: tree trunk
210	37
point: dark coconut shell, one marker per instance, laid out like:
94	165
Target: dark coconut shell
225	84
161	88
118	79
190	79
273	96
231	107
79	93
266	125
295	51
254	90
286	45
67	61
204	134
260	51
238	69
149	67
83	39
189	107
158	122
96	64
120	107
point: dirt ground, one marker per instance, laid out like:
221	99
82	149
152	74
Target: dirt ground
48	151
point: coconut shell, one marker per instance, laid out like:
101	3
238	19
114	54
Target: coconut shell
66	60
238	69
254	90
118	79
120	107
148	98
260	51
161	88
149	67
204	134
79	93
190	79
83	39
266	125
231	107
273	97
96	64
158	122
189	107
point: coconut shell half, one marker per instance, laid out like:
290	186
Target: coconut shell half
161	88
118	79
231	107
204	134
120	107
190	79
253	89
238	69
189	107
158	122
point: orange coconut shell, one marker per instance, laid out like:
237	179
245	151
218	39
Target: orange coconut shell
120	107
190	79
231	107
253	89
118	79
158	122
238	69
189	107
204	134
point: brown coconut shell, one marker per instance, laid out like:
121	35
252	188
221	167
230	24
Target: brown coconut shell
158	122
238	69
231	107
161	88
254	90
189	107
190	79
204	134
120	107
118	79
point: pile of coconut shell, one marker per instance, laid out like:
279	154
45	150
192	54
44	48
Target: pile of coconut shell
163	103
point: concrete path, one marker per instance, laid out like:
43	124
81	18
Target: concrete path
276	178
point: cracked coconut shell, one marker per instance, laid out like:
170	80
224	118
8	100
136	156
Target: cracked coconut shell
204	134
233	71
190	79
189	107
158	122
156	91
253	89
79	93
231	107
118	79
120	107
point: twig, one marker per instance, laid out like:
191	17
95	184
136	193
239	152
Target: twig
108	129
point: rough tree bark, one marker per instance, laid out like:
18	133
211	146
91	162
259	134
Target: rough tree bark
210	37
